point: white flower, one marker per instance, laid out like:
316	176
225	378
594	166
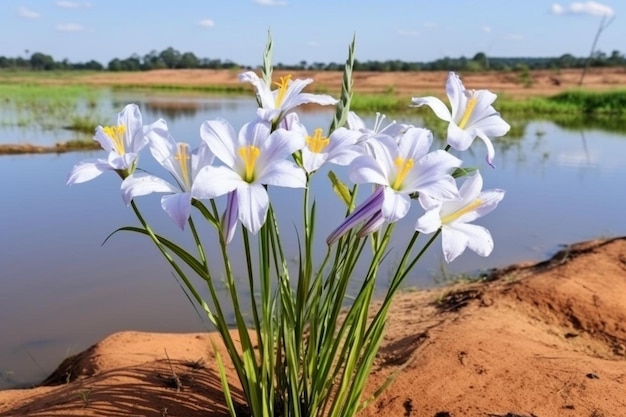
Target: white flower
123	142
454	216
253	158
404	168
393	128
399	169
472	115
339	148
370	136
183	164
275	104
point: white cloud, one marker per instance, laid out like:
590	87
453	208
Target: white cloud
271	2
591	8
312	44
430	25
405	32
70	27
557	9
486	29
67	4
207	23
514	37
27	13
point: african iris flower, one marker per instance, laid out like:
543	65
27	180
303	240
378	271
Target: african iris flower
400	169
276	103
472	115
123	143
454	216
251	159
181	162
339	148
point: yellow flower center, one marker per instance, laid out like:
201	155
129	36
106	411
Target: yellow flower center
283	84
249	154
404	166
317	142
471	103
116	134
182	156
463	210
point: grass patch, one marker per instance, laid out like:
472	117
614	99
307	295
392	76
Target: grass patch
50	106
221	89
62	147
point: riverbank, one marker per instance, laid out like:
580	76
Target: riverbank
542	339
512	84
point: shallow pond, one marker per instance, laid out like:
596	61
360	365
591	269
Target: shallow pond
63	291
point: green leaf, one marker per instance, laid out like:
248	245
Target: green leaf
461	172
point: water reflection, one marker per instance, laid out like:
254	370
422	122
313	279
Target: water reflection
63	291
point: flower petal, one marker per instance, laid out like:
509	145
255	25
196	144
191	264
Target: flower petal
395	205
120	162
178	207
372	225
415	142
278	145
87	170
202	158
162	145
253	203
355	122
134	138
456	95
230	217
366	170
212	181
477	238
492	125
491	152
366	210
429	222
482	107
140	183
221	138
104	140
311	161
459	139
453	243
431	175
435	104
282	173
263	90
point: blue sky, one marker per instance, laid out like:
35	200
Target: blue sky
314	31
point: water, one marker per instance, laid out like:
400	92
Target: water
63	291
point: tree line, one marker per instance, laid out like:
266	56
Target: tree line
171	58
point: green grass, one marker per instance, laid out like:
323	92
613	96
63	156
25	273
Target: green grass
222	89
50	106
578	102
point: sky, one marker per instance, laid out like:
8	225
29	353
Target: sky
308	30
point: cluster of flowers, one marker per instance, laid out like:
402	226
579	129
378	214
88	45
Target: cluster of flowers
277	150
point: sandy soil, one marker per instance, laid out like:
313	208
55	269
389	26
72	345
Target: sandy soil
543	83
534	340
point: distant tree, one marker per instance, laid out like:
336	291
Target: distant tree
93	65
616	58
188	60
170	57
39	61
481	59
115	65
